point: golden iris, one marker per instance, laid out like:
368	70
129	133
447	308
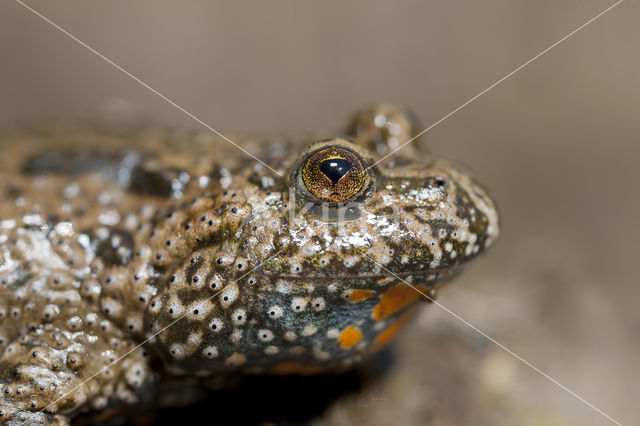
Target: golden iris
334	174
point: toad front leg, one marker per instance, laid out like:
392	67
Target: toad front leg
59	354
47	375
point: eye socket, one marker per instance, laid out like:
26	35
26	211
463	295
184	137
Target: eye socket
334	174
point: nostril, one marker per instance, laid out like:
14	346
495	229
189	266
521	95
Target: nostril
440	182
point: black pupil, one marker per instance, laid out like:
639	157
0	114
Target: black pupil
335	168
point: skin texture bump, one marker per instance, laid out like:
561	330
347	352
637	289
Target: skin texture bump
130	257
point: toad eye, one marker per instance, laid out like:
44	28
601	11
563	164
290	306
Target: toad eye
334	174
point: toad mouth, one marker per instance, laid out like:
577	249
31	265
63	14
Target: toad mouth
452	270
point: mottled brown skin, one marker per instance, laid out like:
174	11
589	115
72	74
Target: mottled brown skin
126	250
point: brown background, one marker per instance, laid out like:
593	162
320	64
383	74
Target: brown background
557	144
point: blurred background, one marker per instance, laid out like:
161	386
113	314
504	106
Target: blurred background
557	144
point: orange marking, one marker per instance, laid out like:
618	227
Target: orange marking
359	295
385	337
285	368
349	337
396	298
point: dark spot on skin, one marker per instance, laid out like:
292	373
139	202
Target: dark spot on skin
115	255
74	163
158	183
